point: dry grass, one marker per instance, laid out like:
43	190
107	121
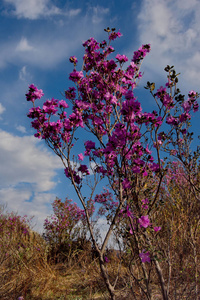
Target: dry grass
26	270
28	274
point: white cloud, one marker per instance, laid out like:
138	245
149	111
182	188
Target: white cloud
33	9
44	47
49	49
98	14
27	176
24	45
22	160
26	179
18	201
103	227
23	74
186	6
21	128
173	30
74	12
2	109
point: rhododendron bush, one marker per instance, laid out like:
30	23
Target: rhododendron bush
66	230
61	226
125	147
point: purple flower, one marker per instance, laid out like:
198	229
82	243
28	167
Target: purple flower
145	202
121	58
195	106
155	167
172	121
184	117
145	257
34	93
144	221
106	259
80	156
141	53
173	152
157	228
184	131
76	177
73	60
114	35
186	105
49	106
70	93
126	184
84	169
89	145
76	76
161	92
62	103
192	94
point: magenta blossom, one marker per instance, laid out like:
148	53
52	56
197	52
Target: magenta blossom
157	228
121	58
34	93
76	76
131	231
145	202
114	35
80	156
88	146
84	169
63	104
144	221
73	60
145	257
106	259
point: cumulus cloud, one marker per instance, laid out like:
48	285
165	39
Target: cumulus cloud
173	30
103	228
18	201
22	160
27	176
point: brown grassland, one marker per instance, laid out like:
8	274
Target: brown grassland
29	268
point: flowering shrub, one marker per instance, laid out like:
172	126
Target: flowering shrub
127	146
22	255
61	226
11	226
65	229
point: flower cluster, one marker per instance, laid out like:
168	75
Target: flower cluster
34	93
141	53
107	203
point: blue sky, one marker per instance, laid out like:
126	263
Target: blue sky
36	39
